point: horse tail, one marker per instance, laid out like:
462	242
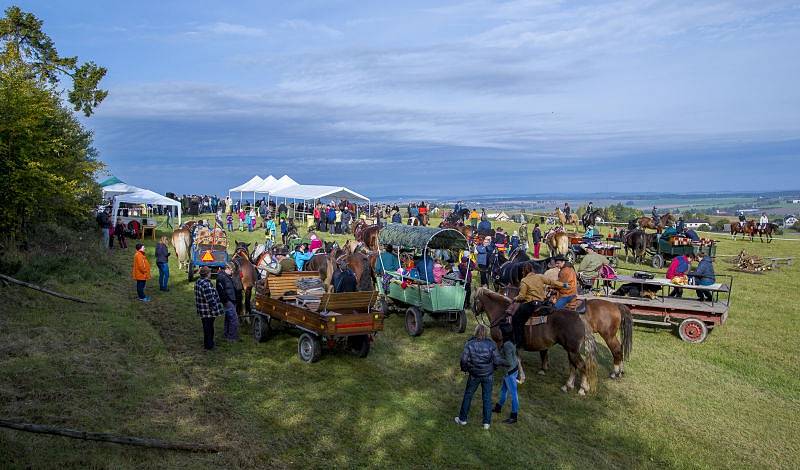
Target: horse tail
590	350
626	331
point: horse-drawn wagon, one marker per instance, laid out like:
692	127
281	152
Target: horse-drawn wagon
330	319
209	247
664	249
578	246
443	302
648	299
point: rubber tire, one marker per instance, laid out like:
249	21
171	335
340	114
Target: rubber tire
359	345
413	321
309	348
693	330
658	261
190	272
460	325
261	328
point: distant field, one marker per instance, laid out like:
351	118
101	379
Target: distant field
130	368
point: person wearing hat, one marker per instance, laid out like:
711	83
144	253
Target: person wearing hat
680	227
286	263
227	297
537	240
208	306
483	252
567	297
513	242
531	296
344	280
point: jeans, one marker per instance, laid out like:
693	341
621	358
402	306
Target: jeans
510	385
208	332
486	394
140	288
163	275
230	226
563	301
106	238
230	330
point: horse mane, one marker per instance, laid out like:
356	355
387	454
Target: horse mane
497	297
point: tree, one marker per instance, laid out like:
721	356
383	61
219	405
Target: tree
46	158
719	225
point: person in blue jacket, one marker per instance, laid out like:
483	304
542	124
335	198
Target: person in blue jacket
424	265
703	275
300	256
484	226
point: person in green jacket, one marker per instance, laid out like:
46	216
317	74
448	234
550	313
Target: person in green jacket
388	261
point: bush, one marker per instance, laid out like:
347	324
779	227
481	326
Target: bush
704	228
719	225
796	226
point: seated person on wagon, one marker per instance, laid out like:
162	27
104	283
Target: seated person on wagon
282	263
387	261
567	296
704	276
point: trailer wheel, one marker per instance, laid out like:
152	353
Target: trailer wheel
658	261
360	345
309	348
460	323
261	328
692	330
191	271
414	321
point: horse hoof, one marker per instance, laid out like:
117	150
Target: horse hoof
613	376
564	388
541	372
581	392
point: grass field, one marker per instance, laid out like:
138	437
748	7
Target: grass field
124	367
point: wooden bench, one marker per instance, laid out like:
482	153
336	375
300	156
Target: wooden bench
285	282
347	302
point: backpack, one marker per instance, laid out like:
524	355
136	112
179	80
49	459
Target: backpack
607	272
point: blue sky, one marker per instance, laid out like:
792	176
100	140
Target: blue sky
444	98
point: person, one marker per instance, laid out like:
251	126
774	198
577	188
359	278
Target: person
104	222
271	229
465	272
119	231
300	256
331	219
589	208
241	219
162	261
531	296
483	252
316	243
703	275
282	210
680	227
679	266
317	215
537	240
473	219
226	292
344	280
500	240
439	271
208	306
338	222
589	234
111	236
567	211
286	263
514	241
284	230
347	219
742	219
229	219
141	272
424	265
253	220
397	218
484	227
567	295
479	359
654	213
508	352
763	221
387	261
591	262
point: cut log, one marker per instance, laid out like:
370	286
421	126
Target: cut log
42	289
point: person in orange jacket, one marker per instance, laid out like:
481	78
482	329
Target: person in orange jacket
567	297
141	272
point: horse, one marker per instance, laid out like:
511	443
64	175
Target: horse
767	230
557	242
246	271
590	219
182	242
637	241
748	228
454	219
367	234
564	327
573	218
648	222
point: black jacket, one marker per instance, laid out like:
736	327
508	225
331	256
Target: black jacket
481	358
225	288
162	253
344	281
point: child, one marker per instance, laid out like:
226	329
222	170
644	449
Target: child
141	272
229	219
509	353
119	231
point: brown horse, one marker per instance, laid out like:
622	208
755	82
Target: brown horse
562	218
564	327
367	234
767	230
246	271
747	228
557	242
663	221
637	241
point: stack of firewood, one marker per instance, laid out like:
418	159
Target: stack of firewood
750	263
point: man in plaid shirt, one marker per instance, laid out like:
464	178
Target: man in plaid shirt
208	306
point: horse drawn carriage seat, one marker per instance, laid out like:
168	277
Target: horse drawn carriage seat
284	285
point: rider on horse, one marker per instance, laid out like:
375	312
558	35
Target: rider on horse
654	213
763	221
531	297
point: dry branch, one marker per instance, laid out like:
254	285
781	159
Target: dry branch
42	289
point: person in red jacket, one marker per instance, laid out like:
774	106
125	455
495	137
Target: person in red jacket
679	266
141	272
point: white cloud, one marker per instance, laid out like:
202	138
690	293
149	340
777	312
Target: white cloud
308	26
230	29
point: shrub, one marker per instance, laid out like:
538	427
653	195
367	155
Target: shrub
704	228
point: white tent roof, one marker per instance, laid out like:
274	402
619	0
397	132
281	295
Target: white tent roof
143	196
118	188
250	186
283	182
267	185
308	192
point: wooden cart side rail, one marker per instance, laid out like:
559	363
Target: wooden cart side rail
284	282
345	302
291	314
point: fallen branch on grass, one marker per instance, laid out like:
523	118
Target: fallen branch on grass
96	436
42	289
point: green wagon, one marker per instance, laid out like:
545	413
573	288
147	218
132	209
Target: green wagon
443	302
662	250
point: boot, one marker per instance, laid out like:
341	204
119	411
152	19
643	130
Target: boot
511	419
496	408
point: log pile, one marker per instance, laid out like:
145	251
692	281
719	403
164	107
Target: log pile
750	263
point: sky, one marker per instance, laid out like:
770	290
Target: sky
443	98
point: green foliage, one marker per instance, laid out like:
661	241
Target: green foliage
704	228
796	226
719	225
46	157
619	213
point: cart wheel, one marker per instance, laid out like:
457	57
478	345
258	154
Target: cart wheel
570	256
692	330
191	271
359	345
460	324
309	348
658	261
261	328
414	321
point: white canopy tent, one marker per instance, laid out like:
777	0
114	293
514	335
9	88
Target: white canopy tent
283	182
308	192
118	188
267	185
251	186
143	196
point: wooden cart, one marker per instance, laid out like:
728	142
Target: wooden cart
344	319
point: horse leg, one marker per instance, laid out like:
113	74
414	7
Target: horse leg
545	362
616	351
247	294
570	381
